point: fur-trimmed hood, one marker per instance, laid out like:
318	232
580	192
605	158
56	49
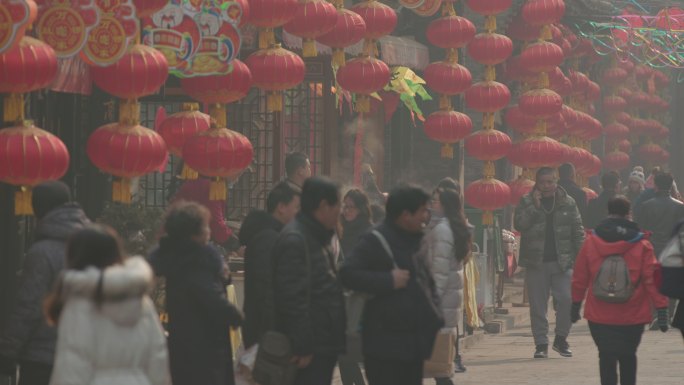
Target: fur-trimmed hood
123	288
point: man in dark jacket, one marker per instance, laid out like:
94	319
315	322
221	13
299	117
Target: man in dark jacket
551	236
660	214
308	297
395	337
27	338
566	173
258	234
597	209
297	170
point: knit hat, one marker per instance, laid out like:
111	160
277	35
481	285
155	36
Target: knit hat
49	195
637	176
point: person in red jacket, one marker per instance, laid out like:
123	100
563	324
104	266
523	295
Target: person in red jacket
617	327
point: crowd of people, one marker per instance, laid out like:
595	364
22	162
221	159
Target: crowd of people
361	280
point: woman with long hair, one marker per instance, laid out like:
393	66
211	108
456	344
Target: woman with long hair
356	218
199	313
108	329
449	247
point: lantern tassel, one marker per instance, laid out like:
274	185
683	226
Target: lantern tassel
121	190
540	127
218	190
444	102
488	218
129	112
22	201
309	48
448	9
490	23
545	33
489	170
188	173
218	115
490	73
452	55
362	103
13	108
266	38
338	58
544	80
274	101
447	151
370	48
488	121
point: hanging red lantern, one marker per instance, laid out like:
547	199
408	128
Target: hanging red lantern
270	14
140	72
30	156
447	127
220	89
579	81
616	131
614	76
219	153
536	152
275	70
490	48
540	103
519	188
450	32
488	194
313	18
624	145
543	12
363	76
380	19
489	7
613	104
570	116
146	8
650	152
519	121
448	79
488	145
349	29
616	161
542	56
593	91
179	127
487	96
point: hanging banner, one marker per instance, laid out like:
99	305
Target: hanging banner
108	40
15	16
65	24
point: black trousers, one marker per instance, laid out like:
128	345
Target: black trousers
34	373
617	344
319	371
393	372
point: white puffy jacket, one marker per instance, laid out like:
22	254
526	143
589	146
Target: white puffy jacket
119	342
447	272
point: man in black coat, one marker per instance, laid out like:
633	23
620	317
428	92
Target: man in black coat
258	234
660	214
395	340
566	173
309	301
597	209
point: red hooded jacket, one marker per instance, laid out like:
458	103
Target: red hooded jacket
641	261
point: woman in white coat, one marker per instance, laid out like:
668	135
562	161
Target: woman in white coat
449	246
108	329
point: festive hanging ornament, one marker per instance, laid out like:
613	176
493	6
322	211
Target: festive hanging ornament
490	48
543	12
614	76
313	18
179	127
543	56
363	76
519	188
518	121
537	152
220	89
447	127
613	104
487	96
145	8
624	145
540	103
616	131
488	145
270	14
30	156
488	194
66	25
349	29
450	31
380	19
448	79
15	17
275	70
616	161
650	152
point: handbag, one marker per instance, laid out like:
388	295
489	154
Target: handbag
441	363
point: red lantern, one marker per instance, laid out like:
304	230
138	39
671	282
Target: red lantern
650	152
490	48
488	145
616	161
314	18
615	76
179	127
519	188
540	103
519	121
140	72
536	152
593	91
447	78
450	32
220	153
542	12
579	81
613	104
275	70
543	56
616	131
489	7
270	14
145	8
30	156
220	89
349	29
487	97
488	194
380	19
126	150
447	127
363	76
624	145
570	116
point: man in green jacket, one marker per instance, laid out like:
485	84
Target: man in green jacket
551	236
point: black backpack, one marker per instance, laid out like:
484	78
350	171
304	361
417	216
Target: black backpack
612	282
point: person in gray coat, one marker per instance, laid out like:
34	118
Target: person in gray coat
449	245
27	339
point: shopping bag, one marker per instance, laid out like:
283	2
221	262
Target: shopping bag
441	363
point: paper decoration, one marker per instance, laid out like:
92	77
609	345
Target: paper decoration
65	25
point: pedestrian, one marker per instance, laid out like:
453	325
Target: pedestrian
397	332
297	170
672	262
566	174
551	236
635	185
597	208
308	297
108	329
661	213
258	234
436	216
28	339
200	350
617	327
449	247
